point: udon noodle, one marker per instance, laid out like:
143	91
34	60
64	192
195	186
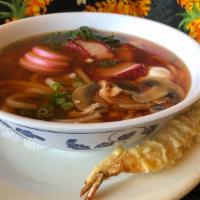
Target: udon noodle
89	76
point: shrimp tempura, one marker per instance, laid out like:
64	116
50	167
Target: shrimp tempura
155	154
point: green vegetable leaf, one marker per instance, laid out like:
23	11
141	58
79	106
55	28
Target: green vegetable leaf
9	5
86	33
56	86
60	99
67	105
57	103
16	9
77	83
45	112
107	63
57	40
109	40
4	15
188	17
83	33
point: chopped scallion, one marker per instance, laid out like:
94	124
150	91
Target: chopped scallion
77	83
67	106
56	86
60	100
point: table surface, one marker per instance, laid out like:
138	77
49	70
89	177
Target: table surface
161	10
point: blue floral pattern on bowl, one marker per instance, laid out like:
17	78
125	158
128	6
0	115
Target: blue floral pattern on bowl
29	134
71	143
82	141
5	124
105	144
148	130
23	132
144	131
126	136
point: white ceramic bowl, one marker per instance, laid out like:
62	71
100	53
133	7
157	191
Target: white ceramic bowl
101	135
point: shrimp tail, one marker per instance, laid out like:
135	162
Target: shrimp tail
112	165
91	189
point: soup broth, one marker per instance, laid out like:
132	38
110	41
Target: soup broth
89	76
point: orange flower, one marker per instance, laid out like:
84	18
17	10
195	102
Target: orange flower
36	7
191	23
194	29
129	7
188	4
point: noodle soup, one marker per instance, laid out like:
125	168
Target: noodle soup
89	76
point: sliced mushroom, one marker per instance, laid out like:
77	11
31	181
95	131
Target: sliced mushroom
108	91
162	72
83	96
127	86
151	94
154	93
160	88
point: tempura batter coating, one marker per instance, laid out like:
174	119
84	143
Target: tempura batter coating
155	154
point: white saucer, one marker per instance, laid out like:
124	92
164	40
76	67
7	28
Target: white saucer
28	173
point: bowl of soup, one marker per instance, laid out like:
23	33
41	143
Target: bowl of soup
71	83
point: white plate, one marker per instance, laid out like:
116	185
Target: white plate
33	173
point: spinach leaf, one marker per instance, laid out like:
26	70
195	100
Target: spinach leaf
58	39
86	33
107	63
83	32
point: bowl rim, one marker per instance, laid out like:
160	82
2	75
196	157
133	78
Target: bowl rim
103	126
